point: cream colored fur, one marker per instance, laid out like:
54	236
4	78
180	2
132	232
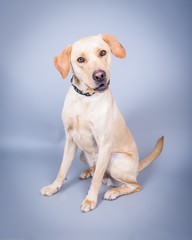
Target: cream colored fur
95	125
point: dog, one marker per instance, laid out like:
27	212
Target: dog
93	123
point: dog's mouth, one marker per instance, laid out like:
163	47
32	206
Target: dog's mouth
102	87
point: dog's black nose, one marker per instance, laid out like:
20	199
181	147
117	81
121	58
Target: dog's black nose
99	75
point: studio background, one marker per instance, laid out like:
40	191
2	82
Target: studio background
152	87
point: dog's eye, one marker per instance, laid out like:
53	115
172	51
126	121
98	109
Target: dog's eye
102	53
80	60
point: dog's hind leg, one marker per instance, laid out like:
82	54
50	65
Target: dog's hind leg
123	168
126	189
88	173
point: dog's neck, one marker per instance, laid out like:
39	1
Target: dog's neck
81	88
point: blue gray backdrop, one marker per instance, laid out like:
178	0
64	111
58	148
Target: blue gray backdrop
152	87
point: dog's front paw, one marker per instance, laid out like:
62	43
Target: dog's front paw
88	205
50	190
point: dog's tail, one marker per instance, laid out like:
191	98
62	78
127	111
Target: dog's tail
153	155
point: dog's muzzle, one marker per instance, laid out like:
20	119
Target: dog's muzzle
100	78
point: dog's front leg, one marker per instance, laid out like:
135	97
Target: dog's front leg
68	156
90	201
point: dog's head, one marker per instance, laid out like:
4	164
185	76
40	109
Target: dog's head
90	59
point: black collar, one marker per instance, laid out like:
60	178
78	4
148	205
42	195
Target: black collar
80	91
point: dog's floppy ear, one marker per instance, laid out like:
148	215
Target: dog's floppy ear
116	48
62	61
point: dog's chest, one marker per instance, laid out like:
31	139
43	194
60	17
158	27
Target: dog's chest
78	124
85	120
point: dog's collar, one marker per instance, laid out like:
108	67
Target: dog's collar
80	91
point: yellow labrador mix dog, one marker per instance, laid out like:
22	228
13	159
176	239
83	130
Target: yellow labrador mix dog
94	123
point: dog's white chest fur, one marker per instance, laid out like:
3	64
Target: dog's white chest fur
83	117
81	131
